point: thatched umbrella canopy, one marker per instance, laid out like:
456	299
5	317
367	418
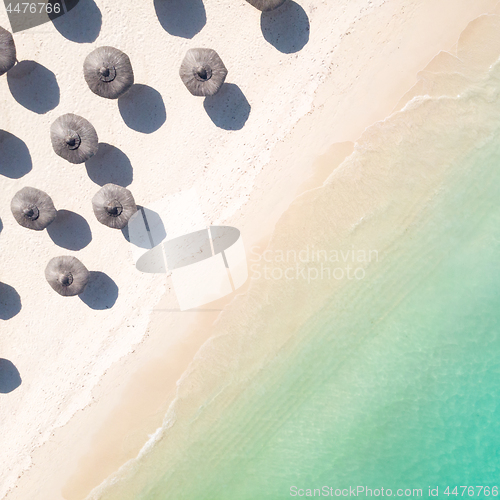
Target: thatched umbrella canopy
203	72
108	72
113	206
266	5
74	138
7	51
33	208
67	275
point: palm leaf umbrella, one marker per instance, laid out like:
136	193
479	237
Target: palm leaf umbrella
33	208
7	51
67	275
113	206
74	138
266	5
203	72
108	72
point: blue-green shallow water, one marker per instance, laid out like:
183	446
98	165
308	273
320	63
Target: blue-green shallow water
393	383
414	402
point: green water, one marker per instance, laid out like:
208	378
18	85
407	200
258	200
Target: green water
412	403
394	383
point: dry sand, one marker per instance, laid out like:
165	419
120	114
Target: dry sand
96	383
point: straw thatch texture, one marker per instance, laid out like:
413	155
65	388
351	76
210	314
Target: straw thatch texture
266	5
203	72
108	72
113	206
33	208
7	51
74	138
67	275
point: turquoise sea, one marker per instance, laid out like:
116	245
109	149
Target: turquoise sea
391	381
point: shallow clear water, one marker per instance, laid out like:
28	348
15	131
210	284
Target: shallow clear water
395	381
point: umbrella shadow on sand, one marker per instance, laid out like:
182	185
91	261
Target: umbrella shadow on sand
229	109
70	230
145	229
184	18
101	291
10	379
142	109
82	22
286	28
110	165
10	302
34	86
15	160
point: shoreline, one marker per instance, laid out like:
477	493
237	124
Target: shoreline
190	336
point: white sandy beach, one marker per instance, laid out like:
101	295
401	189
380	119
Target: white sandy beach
96	382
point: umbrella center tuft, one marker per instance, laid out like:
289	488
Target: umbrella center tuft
67	279
114	208
31	212
203	73
72	140
106	73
